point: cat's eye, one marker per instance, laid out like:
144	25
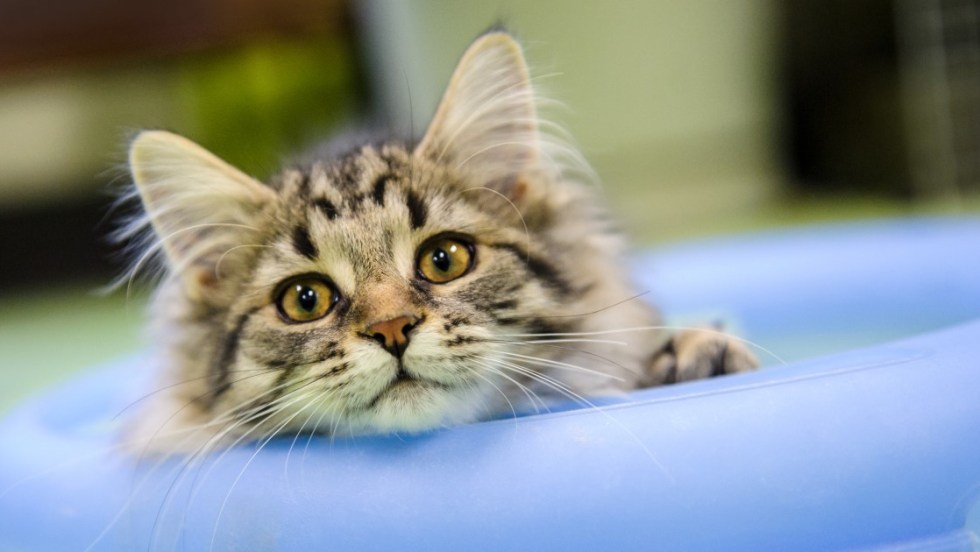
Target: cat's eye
444	259
306	298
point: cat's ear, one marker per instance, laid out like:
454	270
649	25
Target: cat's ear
486	123
199	206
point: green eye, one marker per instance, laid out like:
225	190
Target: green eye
444	259
306	298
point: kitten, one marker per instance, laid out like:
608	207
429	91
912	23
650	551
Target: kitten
395	287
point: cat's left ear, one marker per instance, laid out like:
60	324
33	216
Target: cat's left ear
486	123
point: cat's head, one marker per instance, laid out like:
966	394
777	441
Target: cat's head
389	288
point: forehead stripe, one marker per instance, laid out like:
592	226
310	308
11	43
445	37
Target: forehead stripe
539	268
302	243
326	207
379	190
417	210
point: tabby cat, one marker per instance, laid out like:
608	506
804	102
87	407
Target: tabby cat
395	287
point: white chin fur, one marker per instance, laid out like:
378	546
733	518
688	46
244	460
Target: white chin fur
417	406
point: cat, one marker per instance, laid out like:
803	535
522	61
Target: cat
393	286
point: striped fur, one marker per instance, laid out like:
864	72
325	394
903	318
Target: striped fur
489	170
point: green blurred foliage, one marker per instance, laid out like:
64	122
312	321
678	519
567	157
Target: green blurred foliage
254	104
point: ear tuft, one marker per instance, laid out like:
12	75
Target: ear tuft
198	206
486	123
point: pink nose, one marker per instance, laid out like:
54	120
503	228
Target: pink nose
393	334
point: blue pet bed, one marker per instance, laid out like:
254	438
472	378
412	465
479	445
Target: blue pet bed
874	447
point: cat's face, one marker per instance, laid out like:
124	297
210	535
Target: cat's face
385	289
385	294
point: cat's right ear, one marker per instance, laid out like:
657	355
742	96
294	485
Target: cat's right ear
199	206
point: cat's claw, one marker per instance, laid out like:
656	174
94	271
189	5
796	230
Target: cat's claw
696	354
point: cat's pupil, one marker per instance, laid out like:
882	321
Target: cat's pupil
441	260
307	298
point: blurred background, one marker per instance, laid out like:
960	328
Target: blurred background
701	117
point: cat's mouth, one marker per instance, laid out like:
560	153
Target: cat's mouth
406	387
404	380
403	376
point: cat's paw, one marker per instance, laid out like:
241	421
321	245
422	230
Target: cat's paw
696	354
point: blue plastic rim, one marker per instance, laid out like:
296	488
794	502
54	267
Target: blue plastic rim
867	448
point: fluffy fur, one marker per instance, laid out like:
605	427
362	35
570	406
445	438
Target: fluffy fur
517	328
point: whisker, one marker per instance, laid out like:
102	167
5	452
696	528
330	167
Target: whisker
299	432
335	415
589	313
579	351
217	264
560	340
178	384
564	365
654	328
527	232
160	243
487	105
126	504
210	446
238	421
213	421
510	403
565	390
527	392
241	473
